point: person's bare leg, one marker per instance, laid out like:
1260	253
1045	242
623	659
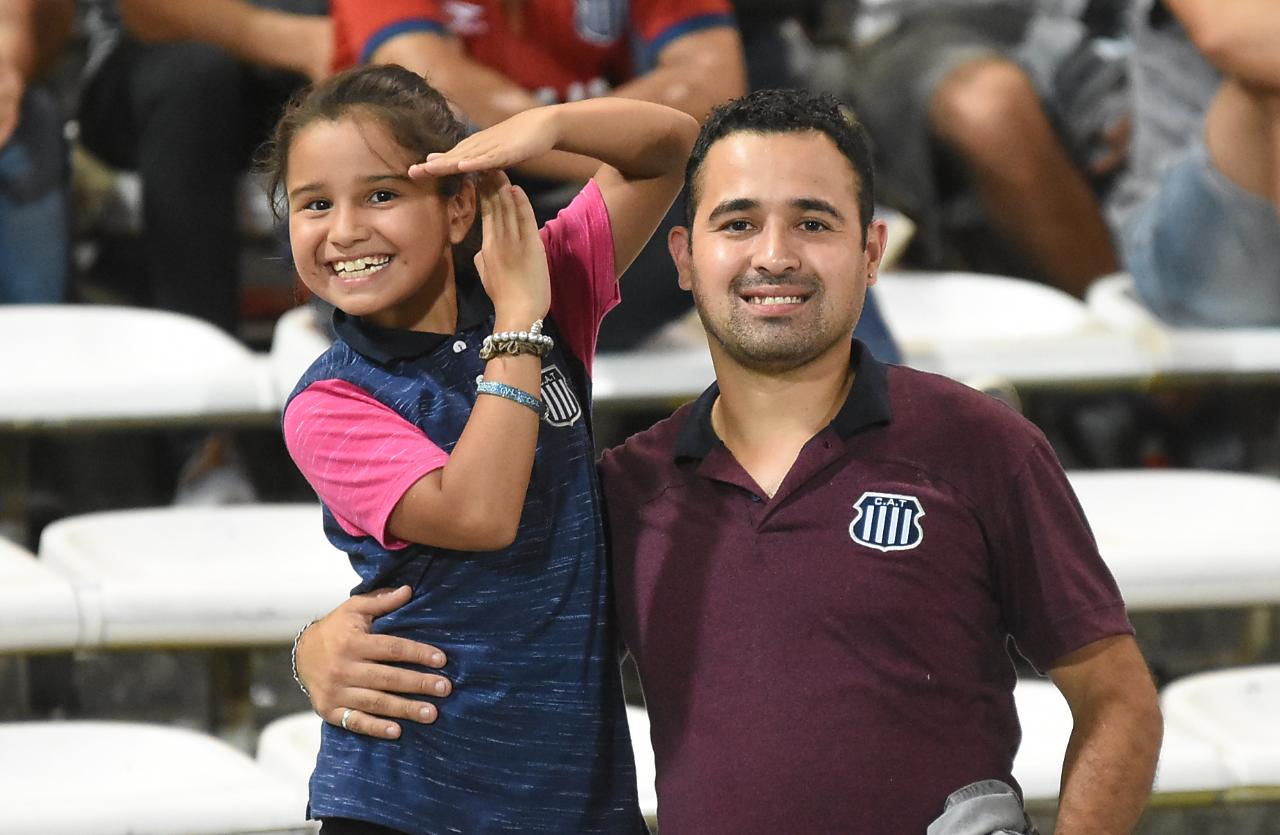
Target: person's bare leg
988	112
1242	133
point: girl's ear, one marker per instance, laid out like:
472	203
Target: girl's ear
462	210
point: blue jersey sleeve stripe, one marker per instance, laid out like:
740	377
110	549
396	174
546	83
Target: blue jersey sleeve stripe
386	33
687	27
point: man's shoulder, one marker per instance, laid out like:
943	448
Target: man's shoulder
646	460
931	403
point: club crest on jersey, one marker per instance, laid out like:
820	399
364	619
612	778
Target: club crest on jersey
600	22
562	404
887	521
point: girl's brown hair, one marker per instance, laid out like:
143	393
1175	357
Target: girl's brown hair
415	113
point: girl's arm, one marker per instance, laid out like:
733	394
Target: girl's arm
475	501
643	148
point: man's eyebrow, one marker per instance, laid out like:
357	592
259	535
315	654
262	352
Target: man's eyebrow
738	204
814	204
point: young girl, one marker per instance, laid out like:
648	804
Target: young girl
446	433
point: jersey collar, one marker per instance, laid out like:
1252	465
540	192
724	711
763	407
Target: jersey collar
866	405
385	345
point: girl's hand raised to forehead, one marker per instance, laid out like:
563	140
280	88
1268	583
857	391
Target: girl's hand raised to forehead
523	137
512	261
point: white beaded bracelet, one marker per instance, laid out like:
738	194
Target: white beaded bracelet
514	343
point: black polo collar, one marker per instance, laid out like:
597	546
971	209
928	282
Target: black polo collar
866	405
385	345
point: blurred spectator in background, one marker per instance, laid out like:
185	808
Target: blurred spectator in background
34	173
1197	212
978	107
494	58
183	92
765	43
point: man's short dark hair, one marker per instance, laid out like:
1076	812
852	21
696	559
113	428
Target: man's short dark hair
788	111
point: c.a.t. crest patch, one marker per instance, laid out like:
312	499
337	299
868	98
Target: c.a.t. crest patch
887	521
562	405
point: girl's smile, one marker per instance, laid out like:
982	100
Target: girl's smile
360	267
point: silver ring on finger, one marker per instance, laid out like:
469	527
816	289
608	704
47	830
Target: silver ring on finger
346	714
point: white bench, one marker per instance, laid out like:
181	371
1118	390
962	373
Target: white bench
1237	713
184	577
1182	352
297	339
1181	539
38	609
78	365
972	326
124	778
198	576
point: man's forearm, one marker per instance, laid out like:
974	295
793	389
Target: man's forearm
694	74
260	36
484	95
1108	770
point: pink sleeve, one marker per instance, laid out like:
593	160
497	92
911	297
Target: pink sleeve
584	285
359	455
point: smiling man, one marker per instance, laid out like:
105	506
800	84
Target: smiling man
819	564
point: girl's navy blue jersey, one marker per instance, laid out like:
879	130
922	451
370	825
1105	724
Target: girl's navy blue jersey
534	736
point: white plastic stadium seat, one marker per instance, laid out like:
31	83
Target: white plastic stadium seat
113	778
1186	538
970	326
296	341
1237	712
287	747
1184	351
76	364
38	608
198	576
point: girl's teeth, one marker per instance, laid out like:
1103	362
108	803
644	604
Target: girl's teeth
360	267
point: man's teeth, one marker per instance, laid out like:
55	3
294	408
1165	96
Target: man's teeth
775	299
359	267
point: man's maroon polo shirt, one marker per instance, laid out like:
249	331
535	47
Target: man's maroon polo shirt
834	659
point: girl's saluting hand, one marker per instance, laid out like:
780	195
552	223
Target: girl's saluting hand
512	261
524	136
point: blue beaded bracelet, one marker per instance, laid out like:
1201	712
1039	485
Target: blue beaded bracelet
512	393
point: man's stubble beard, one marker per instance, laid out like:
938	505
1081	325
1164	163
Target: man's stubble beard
772	346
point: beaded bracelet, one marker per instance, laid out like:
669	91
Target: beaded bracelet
514	343
511	393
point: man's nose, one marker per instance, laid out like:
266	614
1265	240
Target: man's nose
775	250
